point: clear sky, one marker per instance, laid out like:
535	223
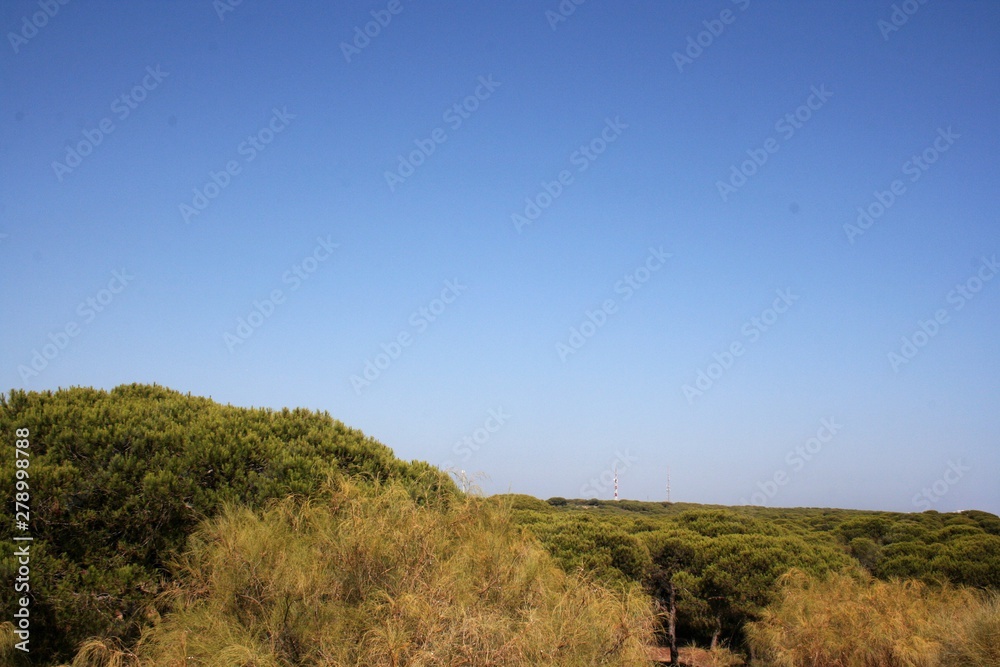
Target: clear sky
751	242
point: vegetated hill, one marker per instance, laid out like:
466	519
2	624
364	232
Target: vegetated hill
120	478
717	568
120	481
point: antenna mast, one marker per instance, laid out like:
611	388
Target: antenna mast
668	484
616	482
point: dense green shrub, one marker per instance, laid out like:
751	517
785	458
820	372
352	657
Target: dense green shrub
602	548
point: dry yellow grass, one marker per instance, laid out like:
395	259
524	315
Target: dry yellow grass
850	620
8	640
366	576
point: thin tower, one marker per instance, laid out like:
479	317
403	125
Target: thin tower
668	484
616	482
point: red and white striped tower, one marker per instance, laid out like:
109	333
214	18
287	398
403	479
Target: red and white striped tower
616	482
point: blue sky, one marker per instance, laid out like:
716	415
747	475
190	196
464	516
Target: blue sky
624	195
